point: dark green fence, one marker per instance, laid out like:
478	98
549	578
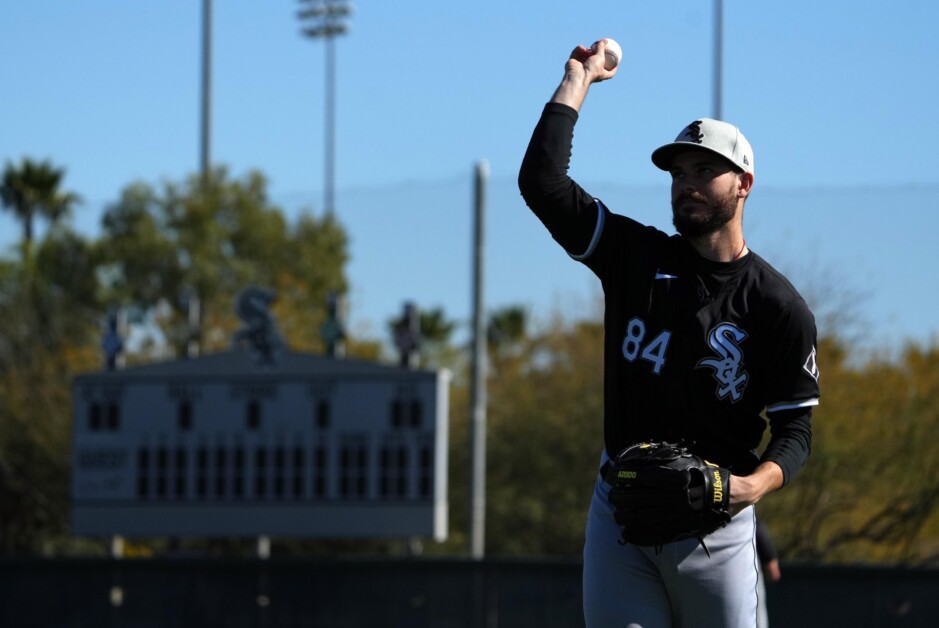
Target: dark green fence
418	593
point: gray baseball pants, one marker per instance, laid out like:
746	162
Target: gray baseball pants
680	586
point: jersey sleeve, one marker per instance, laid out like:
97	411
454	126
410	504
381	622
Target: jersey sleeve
567	210
603	241
794	380
794	391
790	441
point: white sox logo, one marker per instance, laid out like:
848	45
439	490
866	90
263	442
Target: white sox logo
694	132
725	339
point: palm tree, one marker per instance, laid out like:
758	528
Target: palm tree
32	189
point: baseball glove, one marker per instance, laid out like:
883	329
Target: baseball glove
661	492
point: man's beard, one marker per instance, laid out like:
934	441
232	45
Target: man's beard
719	212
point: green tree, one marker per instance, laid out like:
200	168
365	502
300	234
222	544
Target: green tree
313	267
544	435
506	329
33	189
213	237
870	490
44	339
544	439
137	257
47	326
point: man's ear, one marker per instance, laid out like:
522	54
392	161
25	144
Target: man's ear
744	184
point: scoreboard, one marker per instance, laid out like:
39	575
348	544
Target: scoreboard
222	445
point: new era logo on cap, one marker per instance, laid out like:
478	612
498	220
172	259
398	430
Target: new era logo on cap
715	136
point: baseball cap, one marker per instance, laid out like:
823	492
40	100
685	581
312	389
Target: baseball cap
715	136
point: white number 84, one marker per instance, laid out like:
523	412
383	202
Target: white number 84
654	352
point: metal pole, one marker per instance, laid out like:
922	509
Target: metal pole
195	315
328	19
329	200
478	375
718	57
205	158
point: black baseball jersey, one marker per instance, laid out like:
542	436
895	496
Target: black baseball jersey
695	350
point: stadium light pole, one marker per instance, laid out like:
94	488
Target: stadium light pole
190	297
204	147
327	19
718	58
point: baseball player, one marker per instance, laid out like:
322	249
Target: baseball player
702	336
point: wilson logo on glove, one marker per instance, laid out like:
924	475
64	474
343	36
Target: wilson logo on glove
718	486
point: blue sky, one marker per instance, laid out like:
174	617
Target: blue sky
839	100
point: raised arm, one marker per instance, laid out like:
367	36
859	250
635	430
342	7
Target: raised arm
569	212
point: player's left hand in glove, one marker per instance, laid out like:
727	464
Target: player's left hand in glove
661	493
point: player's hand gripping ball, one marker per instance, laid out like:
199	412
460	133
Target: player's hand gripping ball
613	52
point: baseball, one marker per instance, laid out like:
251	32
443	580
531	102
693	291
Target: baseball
613	52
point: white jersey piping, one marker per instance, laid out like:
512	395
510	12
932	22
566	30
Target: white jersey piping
601	218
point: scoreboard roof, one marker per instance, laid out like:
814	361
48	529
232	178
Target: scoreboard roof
242	364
